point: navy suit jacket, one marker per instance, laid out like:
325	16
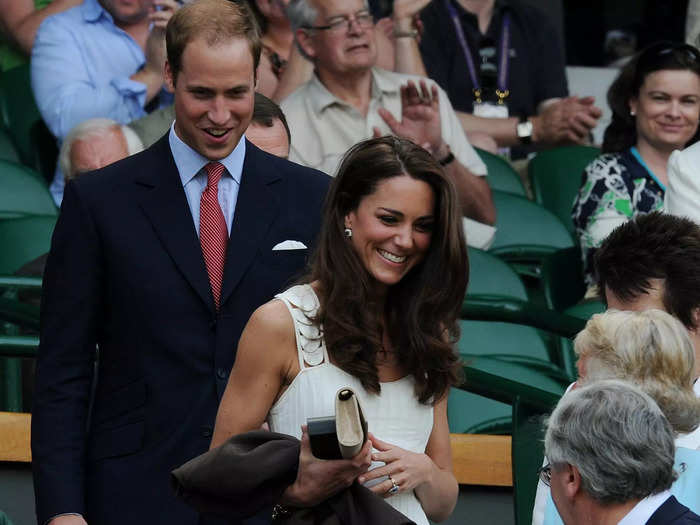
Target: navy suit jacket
126	272
672	512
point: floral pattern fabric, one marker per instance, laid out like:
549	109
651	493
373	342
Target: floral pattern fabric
615	188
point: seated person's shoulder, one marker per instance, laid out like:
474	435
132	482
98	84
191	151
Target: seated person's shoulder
293	104
68	20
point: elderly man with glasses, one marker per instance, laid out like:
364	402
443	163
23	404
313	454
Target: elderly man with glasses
611	458
349	100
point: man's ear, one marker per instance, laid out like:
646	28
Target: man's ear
169	77
305	41
572	481
696	319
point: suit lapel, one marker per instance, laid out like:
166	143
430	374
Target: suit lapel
256	207
166	207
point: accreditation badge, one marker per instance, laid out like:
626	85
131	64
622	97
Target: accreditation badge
490	110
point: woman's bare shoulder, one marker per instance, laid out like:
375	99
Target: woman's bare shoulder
273	319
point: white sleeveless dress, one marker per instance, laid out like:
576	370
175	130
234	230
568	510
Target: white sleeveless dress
394	416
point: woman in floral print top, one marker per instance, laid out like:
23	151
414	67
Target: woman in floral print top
655	103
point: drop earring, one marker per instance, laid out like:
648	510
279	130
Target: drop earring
347	232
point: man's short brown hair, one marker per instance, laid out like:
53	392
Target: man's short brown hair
217	21
653	246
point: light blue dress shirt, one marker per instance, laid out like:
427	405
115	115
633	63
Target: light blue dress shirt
80	67
190	165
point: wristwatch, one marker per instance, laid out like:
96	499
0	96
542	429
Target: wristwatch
524	130
448	158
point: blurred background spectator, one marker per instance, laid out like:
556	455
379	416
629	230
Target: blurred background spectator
100	59
655	103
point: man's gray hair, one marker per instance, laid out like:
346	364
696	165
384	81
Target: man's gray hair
301	14
94	127
617	438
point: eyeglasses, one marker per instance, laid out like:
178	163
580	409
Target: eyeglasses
341	24
545	474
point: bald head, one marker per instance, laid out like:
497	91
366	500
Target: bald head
96	151
94	144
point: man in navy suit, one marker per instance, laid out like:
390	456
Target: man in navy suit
159	260
611	458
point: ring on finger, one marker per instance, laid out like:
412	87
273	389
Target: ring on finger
394	486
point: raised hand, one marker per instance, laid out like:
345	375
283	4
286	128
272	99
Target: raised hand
420	116
407	469
155	52
408	8
162	11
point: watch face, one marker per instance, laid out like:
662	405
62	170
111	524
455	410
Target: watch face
524	129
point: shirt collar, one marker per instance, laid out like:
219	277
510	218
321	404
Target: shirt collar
92	11
189	162
643	510
321	98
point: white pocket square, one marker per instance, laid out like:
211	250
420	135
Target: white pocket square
289	245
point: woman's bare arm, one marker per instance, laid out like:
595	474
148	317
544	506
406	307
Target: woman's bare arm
439	494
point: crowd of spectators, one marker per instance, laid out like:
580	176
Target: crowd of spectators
450	77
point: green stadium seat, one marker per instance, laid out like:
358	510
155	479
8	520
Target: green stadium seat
22	192
562	279
501	175
496	302
556	177
7	147
490	275
35	144
531	395
24	239
526	231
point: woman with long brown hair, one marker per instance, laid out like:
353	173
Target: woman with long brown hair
377	313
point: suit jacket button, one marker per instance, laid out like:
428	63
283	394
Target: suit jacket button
212	325
206	432
221	373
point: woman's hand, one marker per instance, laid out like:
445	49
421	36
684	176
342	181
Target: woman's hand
408	469
319	479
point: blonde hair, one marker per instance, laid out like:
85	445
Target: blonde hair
651	349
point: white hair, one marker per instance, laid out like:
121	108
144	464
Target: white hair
95	127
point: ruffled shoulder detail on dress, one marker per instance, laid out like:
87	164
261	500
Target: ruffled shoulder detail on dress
304	305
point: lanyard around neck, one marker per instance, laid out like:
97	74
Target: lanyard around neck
504	45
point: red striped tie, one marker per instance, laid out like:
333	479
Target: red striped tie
213	235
